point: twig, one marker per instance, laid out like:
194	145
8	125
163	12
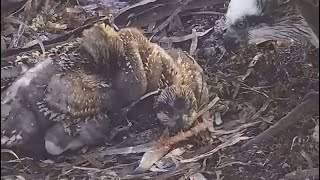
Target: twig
308	106
128	150
232	163
64	37
206	108
33	32
307	158
182	169
293	142
12	153
194	43
202	13
239	128
176	39
252	89
87	169
261	110
130	106
169	19
148	175
220	58
253	62
233	140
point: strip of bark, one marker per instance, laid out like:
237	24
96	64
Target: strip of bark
308	106
306	173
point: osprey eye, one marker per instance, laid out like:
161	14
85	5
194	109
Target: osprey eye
241	24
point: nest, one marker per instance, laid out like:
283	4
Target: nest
257	87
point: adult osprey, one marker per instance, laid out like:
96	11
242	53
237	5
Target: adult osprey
275	20
272	20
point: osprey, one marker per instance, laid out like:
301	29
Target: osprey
272	20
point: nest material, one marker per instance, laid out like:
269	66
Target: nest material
254	92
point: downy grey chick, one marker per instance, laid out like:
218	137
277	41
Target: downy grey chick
63	89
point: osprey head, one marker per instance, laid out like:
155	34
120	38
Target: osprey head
266	19
176	107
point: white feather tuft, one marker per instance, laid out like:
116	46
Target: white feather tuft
52	148
239	8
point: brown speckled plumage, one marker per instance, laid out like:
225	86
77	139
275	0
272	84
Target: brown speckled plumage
115	69
146	61
75	97
77	94
143	66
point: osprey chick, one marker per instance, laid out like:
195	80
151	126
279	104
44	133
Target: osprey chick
272	20
140	66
